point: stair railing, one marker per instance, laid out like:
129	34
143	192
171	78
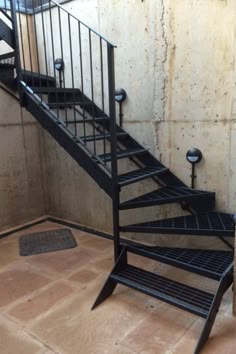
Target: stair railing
52	33
49	33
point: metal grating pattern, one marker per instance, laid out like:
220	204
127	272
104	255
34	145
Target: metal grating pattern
89	138
7	60
87	120
204	262
68	104
122	154
165	195
36	79
184	296
208	224
140	174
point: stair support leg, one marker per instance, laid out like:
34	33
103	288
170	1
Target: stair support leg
110	284
225	283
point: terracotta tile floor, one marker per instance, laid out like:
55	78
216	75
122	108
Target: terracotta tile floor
45	303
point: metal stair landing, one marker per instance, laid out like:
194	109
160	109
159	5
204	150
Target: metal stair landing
207	224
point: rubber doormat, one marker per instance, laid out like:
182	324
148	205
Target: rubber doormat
47	241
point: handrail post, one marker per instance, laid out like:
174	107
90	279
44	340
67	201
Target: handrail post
112	115
17	47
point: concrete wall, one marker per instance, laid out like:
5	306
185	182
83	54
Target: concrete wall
176	59
21	176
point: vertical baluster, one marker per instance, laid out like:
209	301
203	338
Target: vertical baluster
112	115
13	9
81	73
28	39
44	41
62	56
52	38
21	36
92	88
53	50
103	100
72	70
36	46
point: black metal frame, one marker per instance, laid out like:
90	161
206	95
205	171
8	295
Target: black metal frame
69	109
196	301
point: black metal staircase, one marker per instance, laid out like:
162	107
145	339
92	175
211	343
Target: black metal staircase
77	108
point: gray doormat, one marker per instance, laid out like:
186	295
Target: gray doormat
47	241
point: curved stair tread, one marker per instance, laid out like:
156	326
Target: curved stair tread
208	263
207	224
166	195
184	296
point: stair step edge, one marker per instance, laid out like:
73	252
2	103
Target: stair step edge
149	252
136	203
137	282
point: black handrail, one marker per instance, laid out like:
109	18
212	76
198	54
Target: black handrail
47	35
82	23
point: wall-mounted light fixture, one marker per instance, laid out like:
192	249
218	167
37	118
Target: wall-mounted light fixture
193	156
59	66
120	97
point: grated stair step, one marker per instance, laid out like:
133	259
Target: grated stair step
208	224
123	154
166	195
90	138
208	263
6	34
55	90
183	296
87	120
37	79
68	104
140	174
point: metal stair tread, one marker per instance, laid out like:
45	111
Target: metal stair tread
122	154
186	297
207	224
165	195
54	90
68	104
86	120
6	66
140	174
6	33
37	79
208	263
90	138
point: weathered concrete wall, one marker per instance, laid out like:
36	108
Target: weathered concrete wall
176	59
199	92
21	176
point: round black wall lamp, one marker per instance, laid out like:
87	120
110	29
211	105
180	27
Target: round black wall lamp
120	97
59	66
193	156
